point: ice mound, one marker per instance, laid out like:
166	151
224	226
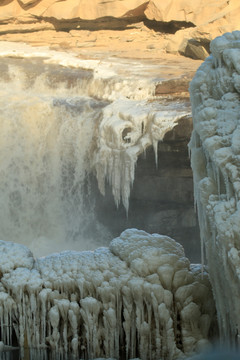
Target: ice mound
215	159
14	256
138	298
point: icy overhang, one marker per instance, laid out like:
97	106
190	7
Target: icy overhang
127	128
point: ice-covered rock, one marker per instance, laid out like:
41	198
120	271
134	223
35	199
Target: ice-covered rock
139	297
214	146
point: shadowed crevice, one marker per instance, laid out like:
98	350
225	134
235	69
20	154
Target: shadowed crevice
29	5
112	23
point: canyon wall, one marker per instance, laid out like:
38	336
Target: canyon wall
181	27
198	12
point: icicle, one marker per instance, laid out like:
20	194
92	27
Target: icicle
126	130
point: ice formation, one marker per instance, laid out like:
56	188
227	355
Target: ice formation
139	297
127	128
215	159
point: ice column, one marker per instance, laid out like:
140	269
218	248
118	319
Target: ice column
215	159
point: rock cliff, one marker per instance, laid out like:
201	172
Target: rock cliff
180	26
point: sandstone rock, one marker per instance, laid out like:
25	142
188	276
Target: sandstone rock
173	86
195	50
196	12
198	21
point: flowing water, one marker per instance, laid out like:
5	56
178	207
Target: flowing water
47	129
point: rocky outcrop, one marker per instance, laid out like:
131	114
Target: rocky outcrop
188	27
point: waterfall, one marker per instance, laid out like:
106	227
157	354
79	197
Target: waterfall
46	135
58	125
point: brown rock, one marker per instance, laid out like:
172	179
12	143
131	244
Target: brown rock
195	50
197	12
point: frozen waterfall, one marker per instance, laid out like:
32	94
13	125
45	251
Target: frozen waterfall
62	119
215	159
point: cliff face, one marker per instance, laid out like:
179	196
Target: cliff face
188	28
198	12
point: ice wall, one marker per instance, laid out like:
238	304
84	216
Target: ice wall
215	159
139	297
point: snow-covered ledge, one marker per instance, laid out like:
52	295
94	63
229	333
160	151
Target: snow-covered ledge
215	159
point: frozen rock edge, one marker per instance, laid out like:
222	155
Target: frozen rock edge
215	159
139	297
